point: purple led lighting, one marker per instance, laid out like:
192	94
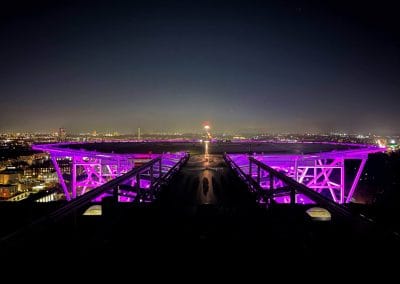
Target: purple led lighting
80	171
101	196
323	172
300	199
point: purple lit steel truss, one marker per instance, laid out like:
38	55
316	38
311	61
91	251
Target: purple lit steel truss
80	171
322	172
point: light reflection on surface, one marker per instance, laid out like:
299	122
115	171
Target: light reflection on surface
205	191
206	148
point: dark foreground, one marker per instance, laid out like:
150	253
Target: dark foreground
206	212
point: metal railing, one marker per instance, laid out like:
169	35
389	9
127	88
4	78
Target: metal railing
291	186
77	205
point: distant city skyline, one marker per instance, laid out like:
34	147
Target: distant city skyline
167	66
94	132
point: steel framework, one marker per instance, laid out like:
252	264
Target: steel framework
80	171
116	188
322	172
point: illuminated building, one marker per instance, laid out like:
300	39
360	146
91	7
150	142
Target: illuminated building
9	182
62	134
8	190
9	176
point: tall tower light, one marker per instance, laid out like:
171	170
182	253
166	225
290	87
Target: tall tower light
207	130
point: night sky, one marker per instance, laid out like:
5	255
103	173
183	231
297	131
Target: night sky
170	65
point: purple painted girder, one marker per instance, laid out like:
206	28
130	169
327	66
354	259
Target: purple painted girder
322	172
90	169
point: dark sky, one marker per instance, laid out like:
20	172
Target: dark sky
170	65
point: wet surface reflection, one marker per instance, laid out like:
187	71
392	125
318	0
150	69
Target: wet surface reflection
205	190
204	182
207	176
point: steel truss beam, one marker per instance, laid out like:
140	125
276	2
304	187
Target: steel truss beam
322	172
80	171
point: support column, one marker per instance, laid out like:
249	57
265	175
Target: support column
151	176
342	182
60	178
73	177
250	168
296	164
271	187
138	190
356	179
315	172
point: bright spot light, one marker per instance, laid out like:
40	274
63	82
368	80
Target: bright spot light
206	127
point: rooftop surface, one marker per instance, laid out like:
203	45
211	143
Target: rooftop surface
214	148
205	209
